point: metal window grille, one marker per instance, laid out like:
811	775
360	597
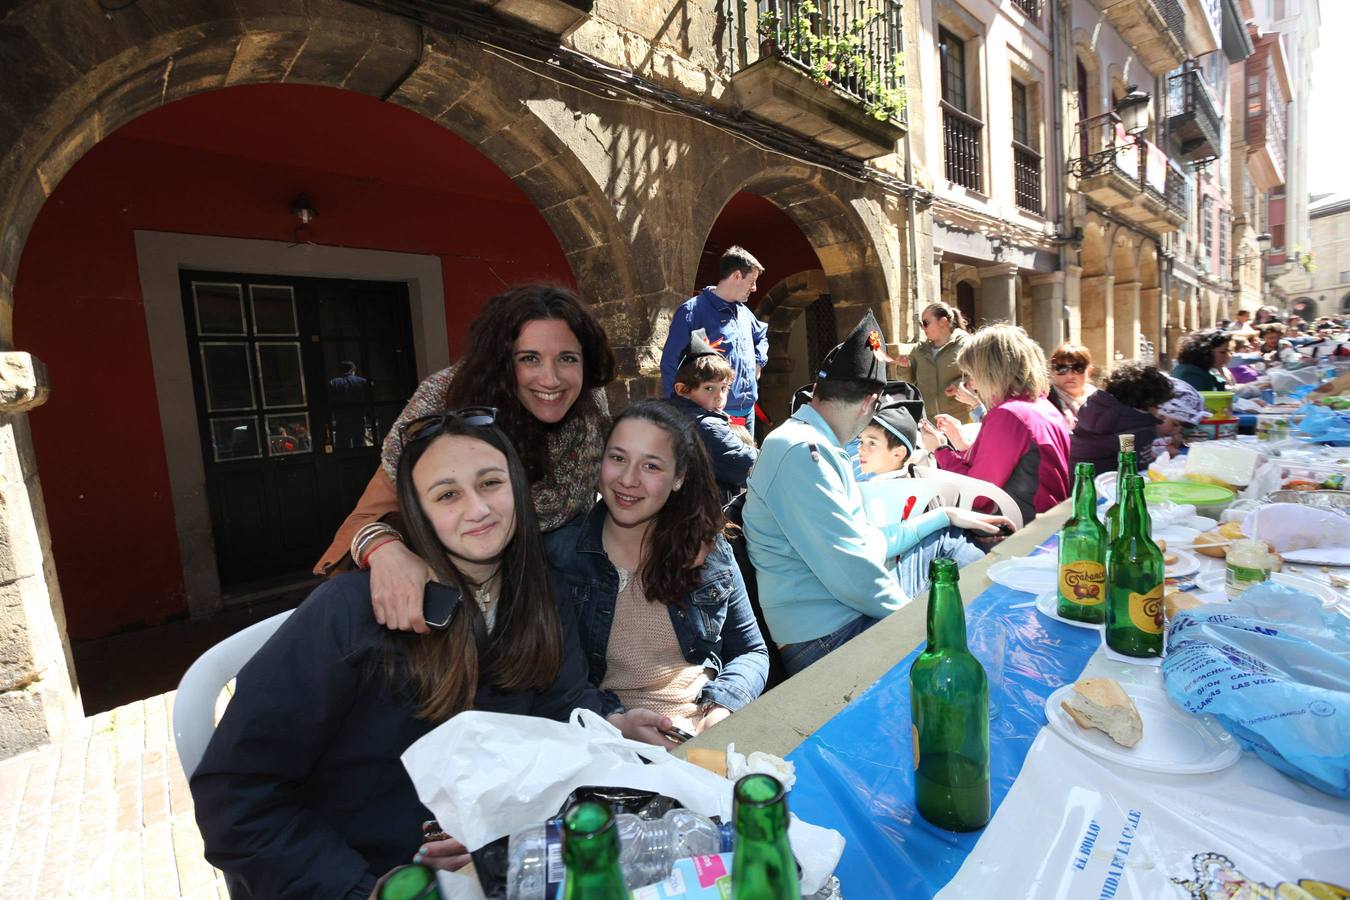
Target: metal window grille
1027	178
1030	8
821	333
961	142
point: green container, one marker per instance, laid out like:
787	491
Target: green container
1219	403
1201	496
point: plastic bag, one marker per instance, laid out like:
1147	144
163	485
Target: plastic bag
485	775
1275	670
1297	526
1324	425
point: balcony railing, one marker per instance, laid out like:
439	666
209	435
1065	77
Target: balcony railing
1027	178
1103	145
1178	190
1192	116
961	142
855	46
1030	8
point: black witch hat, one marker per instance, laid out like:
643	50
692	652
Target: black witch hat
861	357
699	346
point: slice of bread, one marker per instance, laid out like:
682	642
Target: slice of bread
1101	703
1176	601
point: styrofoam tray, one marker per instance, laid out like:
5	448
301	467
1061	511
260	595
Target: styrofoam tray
1032	574
1174	742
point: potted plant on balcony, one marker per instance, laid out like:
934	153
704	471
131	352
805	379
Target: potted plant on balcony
836	57
768	33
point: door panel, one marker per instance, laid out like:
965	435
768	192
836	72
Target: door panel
296	380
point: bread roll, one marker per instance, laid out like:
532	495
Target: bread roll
1211	537
1176	601
1101	703
714	761
1231	531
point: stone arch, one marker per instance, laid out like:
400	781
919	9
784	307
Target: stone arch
1085	54
1125	248
1151	311
839	217
1095	290
782	308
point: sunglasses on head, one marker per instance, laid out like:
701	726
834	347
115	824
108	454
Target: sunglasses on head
1066	368
429	426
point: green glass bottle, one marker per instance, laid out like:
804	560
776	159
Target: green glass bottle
1134	580
411	882
1126	464
590	851
949	709
1082	554
762	866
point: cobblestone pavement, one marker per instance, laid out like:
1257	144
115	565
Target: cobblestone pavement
104	813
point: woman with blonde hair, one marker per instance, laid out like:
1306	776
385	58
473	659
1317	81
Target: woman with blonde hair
1023	446
1070	371
932	362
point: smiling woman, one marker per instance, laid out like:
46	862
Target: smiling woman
538	357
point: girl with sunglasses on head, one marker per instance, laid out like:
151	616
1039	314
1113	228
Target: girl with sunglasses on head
538	356
301	792
1070	387
932	363
664	616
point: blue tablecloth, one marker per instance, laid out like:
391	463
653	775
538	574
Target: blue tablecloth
856	773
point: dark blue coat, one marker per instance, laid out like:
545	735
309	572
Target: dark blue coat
732	458
715	624
301	792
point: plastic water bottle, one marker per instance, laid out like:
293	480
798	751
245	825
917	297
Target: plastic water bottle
647	850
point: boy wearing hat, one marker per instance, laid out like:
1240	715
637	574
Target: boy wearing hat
822	567
702	381
887	442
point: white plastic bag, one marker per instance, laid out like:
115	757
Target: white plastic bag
486	775
1295	526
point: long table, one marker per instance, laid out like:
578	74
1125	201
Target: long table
1067	824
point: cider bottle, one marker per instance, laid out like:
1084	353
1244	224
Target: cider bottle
1082	554
1134	580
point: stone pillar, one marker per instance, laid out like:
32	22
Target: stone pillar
1098	333
1151	318
998	293
1125	310
1073	302
38	698
1179	321
1046	325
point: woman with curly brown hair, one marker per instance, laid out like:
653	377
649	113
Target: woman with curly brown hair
537	355
665	621
1127	405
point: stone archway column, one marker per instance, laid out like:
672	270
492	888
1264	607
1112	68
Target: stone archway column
1151	317
998	293
1073	302
1126	312
1047	310
1098	331
38	701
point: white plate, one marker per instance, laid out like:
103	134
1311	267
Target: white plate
1130	660
1106	486
1047	604
1175	534
1319	556
1214	581
1032	574
1186	564
1199	523
1174	742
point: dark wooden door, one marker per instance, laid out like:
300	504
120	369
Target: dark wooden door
297	381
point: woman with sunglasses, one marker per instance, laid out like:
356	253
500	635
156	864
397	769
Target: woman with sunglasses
665	622
1070	369
538	356
932	362
301	792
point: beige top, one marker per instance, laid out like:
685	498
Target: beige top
644	665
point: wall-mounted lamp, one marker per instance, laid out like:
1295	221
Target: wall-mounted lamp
1133	110
1263	241
303	210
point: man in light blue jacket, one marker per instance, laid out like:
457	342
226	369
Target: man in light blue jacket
825	573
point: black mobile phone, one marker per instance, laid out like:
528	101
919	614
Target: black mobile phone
439	602
678	735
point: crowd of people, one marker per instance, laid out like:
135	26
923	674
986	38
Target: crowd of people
520	550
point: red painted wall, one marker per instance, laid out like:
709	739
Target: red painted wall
766	231
223	163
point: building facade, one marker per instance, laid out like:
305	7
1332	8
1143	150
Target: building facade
1326	289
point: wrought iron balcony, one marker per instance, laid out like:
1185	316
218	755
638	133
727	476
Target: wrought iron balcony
832	70
1129	175
1027	178
961	143
1192	117
1030	8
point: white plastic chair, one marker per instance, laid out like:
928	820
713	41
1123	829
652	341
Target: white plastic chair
884	500
194	709
968	491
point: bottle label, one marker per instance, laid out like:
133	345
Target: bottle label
1146	611
914	730
1242	577
1083	582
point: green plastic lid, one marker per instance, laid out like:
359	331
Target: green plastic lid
1190	492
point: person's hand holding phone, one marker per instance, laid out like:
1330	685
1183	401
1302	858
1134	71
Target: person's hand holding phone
644	725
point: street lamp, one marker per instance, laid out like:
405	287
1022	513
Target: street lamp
1133	110
1263	241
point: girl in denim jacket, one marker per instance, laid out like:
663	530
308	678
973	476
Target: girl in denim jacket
664	617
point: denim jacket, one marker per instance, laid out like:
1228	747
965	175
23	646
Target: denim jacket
715	624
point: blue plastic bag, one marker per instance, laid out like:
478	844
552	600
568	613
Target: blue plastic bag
1324	425
1274	669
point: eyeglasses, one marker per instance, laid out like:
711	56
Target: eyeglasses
429	426
1066	368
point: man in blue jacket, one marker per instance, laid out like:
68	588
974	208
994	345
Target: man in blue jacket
825	572
721	312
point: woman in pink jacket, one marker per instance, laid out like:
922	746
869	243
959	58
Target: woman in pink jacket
1023	446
